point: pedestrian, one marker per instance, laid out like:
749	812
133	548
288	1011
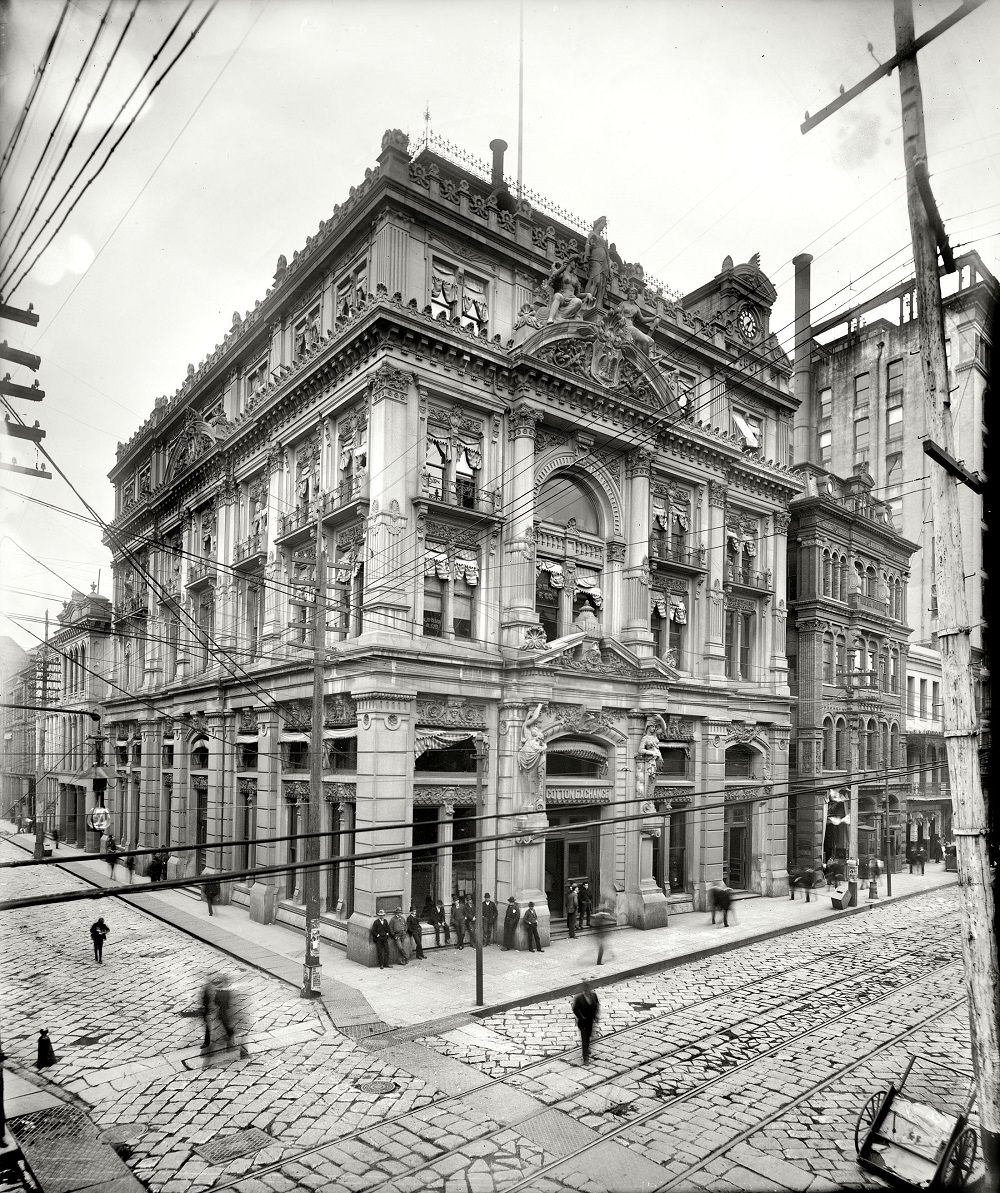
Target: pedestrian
936	853
380	935
415	932
112	856
458	920
397	926
207	1010
439	918
225	1008
586	1008
98	934
490	914
130	866
531	924
921	857
469	912
584	905
55	840
602	926
510	922
571	906
212	892
46	1053
721	899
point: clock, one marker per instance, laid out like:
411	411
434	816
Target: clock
748	324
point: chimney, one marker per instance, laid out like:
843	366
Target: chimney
805	434
500	193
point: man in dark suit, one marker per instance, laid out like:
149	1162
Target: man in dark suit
531	924
585	905
380	934
510	922
489	920
439	918
415	932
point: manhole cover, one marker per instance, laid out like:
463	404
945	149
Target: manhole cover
359	1031
378	1086
224	1148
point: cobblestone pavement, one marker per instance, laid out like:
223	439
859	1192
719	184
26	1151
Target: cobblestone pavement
740	1071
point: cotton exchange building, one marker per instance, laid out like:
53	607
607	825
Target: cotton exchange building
553	502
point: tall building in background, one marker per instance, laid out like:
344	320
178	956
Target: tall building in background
13	659
862	410
553	499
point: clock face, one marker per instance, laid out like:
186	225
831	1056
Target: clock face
748	324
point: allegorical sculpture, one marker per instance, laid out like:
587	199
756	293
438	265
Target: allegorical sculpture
629	311
648	761
531	755
597	263
566	300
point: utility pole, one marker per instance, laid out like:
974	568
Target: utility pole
979	942
40	770
482	753
978	905
311	875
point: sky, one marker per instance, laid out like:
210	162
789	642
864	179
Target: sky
677	119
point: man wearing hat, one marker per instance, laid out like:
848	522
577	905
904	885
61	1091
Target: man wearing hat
510	922
531	923
380	935
415	932
397	926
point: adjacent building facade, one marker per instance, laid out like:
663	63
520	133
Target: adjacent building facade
862	410
545	506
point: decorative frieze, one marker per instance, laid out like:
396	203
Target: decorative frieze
436	796
435	712
736	794
340	793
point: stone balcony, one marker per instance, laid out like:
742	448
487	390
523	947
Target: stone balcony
250	553
201	573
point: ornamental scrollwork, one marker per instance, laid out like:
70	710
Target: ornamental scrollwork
432	712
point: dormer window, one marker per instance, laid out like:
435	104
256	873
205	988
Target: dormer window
751	428
456	294
352	291
254	382
306	333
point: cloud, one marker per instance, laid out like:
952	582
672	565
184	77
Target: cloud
858	137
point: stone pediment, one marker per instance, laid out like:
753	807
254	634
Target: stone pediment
601	352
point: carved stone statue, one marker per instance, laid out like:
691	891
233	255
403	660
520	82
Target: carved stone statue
566	301
629	312
597	262
259	518
650	744
532	748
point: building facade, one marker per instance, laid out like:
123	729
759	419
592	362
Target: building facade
545	506
862	403
15	763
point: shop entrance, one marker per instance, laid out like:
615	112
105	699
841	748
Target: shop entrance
736	846
571	854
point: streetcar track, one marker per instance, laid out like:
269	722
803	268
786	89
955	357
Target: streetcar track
360	1134
615	1132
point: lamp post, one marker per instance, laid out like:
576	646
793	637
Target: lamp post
482	754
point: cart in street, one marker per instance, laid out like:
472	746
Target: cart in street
915	1145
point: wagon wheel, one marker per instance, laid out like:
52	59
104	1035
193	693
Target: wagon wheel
868	1114
959	1160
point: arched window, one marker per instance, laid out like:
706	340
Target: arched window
565	589
560	500
454	758
739	762
894	744
884	759
827	574
199	754
840	751
897	600
82	683
828	657
842	594
841	658
871	582
828	744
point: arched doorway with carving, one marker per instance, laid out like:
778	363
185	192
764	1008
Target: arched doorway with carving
577	788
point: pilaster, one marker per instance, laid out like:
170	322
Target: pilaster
518	614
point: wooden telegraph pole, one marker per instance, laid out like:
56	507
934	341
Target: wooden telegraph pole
978	907
979	944
39	808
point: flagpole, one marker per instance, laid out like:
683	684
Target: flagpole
520	103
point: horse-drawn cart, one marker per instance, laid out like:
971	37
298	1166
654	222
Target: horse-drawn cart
914	1145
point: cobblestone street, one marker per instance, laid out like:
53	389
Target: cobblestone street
743	1070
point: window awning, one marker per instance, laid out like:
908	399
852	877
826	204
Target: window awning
586	751
589	586
749	432
467	569
555	570
436	564
437	739
683	518
473	455
346	452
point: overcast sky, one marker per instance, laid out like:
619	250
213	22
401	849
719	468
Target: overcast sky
678	119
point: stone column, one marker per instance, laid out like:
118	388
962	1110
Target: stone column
220	779
715	651
774	818
264	893
710	834
645	904
273	615
149	809
636	633
446	834
181	864
384	796
389	253
524	765
779	554
518	615
389	564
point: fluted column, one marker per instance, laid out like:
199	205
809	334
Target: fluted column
715	657
518	595
273	614
635	629
446	864
264	893
180	864
779	613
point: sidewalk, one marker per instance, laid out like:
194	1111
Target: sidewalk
444	984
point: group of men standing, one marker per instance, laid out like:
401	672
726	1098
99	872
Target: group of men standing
579	907
462	920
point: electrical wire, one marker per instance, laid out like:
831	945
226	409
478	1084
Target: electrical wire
33	91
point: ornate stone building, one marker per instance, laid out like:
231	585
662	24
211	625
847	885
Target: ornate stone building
553	501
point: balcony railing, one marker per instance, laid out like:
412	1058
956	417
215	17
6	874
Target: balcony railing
250	550
749	579
135	604
462	495
201	572
296	519
858	600
351	488
665	551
